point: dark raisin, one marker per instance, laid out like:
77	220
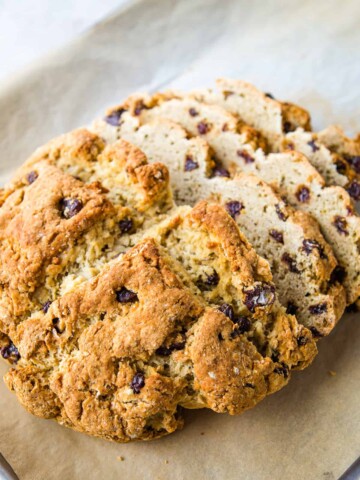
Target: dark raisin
220	337
309	245
353	190
269	95
282	215
290	146
303	194
315	332
70	207
291	308
354	161
260	296
276	235
46	306
11	353
313	145
190	164
203	128
31	177
193	112
220	171
233	208
243	324
245	156
126	225
340	223
138	382
288	127
291	263
282	370
302	341
165	351
227	310
338	274
225	127
212	279
114	117
318	309
126	296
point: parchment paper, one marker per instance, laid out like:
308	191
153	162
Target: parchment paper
304	51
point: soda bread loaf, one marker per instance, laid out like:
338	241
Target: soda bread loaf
118	309
303	283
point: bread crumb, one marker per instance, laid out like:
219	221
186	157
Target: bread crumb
202	433
332	373
120	459
166	461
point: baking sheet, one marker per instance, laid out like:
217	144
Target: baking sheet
299	50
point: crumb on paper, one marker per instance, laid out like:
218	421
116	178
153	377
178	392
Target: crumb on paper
166	461
202	433
332	373
120	458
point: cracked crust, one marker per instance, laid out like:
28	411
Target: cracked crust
82	373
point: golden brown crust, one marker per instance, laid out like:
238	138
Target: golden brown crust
84	364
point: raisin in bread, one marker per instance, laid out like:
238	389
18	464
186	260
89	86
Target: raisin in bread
298	239
134	335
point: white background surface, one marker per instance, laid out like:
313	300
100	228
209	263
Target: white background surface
32	28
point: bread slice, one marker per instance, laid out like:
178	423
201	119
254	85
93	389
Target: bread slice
335	167
167	142
270	117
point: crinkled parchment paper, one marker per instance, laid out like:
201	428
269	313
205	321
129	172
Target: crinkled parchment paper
304	51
